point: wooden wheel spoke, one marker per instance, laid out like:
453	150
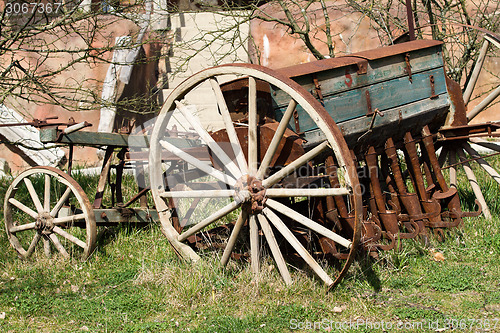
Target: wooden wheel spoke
71	218
484	103
199	194
228	122
254	244
452	157
197	163
283	229
22	207
34	196
486	144
278	135
242	218
58	245
485	165
473	80
275	250
46	246
209	220
70	237
273	179
306	192
22	227
475	72
252	126
46	194
308	222
473	183
60	202
207	138
33	244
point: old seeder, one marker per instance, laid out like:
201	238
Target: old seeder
312	163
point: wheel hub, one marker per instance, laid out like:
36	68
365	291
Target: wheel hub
44	223
250	190
258	195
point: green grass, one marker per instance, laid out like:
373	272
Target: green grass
134	282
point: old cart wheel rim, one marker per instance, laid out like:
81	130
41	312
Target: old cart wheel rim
272	211
38	219
462	152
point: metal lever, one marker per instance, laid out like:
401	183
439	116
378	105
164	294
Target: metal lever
370	129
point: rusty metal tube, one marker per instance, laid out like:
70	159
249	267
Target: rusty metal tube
454	201
388	218
431	206
392	155
334	182
371	162
409	201
414	166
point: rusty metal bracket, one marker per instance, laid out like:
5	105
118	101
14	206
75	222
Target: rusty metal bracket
296	121
317	87
368	103
362	67
408	67
433	87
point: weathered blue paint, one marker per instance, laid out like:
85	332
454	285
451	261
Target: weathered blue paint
407	102
336	80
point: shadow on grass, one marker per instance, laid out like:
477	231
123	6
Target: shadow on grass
107	234
366	264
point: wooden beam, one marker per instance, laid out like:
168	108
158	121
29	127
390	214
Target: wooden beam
128	215
97	139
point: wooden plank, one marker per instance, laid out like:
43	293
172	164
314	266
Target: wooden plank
97	139
386	95
334	81
395	122
355	58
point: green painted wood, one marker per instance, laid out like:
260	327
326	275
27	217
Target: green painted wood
384	95
337	80
396	121
97	139
386	81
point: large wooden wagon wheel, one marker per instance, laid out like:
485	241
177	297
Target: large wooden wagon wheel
242	185
46	208
463	133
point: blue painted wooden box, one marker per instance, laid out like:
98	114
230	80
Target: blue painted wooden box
405	82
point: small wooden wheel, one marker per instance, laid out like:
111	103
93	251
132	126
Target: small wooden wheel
455	151
254	172
46	206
